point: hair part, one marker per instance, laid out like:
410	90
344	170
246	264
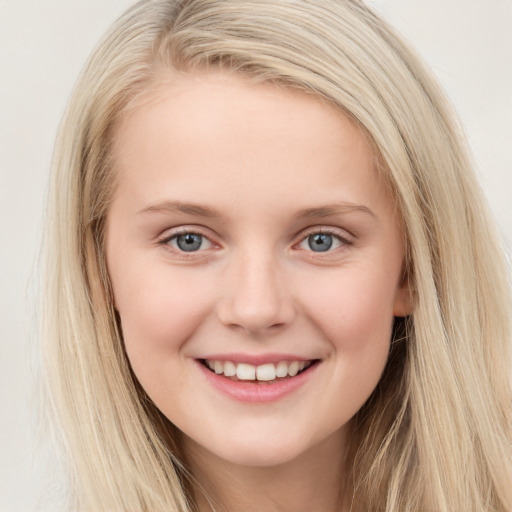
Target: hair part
435	434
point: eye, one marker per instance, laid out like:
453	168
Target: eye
322	241
188	242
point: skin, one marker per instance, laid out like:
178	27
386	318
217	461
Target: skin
257	155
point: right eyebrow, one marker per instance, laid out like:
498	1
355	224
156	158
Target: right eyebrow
181	207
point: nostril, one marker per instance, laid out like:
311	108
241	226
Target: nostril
257	329
254	318
254	299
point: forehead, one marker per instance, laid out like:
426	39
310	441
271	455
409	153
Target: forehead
227	137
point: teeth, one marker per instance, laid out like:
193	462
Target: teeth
282	369
229	369
265	372
293	369
245	371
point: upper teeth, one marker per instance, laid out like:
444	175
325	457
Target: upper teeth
266	372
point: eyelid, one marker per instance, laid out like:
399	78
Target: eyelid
344	237
340	233
173	233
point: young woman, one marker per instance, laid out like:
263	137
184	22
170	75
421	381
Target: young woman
272	282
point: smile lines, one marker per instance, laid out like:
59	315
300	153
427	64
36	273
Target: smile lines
264	372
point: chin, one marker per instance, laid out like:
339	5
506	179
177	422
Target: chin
263	452
262	457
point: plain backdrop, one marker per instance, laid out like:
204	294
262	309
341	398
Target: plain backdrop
43	45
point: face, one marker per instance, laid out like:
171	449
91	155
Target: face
256	263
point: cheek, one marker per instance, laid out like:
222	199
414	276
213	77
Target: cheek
356	318
354	308
160	309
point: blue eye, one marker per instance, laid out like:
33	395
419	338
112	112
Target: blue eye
189	242
322	242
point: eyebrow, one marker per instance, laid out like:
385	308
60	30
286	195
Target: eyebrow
304	214
180	207
332	209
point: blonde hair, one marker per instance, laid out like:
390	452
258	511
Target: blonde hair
436	433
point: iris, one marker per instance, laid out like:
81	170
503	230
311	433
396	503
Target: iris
189	242
320	242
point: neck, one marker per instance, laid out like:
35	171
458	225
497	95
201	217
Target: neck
312	482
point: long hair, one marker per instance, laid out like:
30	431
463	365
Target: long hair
436	433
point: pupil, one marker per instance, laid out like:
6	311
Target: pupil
320	242
189	242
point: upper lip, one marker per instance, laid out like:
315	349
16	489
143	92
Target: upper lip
255	359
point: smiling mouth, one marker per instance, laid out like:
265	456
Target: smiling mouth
268	373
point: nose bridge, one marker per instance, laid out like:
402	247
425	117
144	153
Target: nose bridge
257	297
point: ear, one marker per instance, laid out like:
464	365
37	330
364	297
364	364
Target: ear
404	299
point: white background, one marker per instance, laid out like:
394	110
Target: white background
43	45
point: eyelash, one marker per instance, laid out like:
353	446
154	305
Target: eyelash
344	241
165	241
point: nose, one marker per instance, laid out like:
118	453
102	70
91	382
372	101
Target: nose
256	298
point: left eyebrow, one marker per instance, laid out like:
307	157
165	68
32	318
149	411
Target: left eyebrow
332	209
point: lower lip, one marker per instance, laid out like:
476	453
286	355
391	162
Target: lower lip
257	392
